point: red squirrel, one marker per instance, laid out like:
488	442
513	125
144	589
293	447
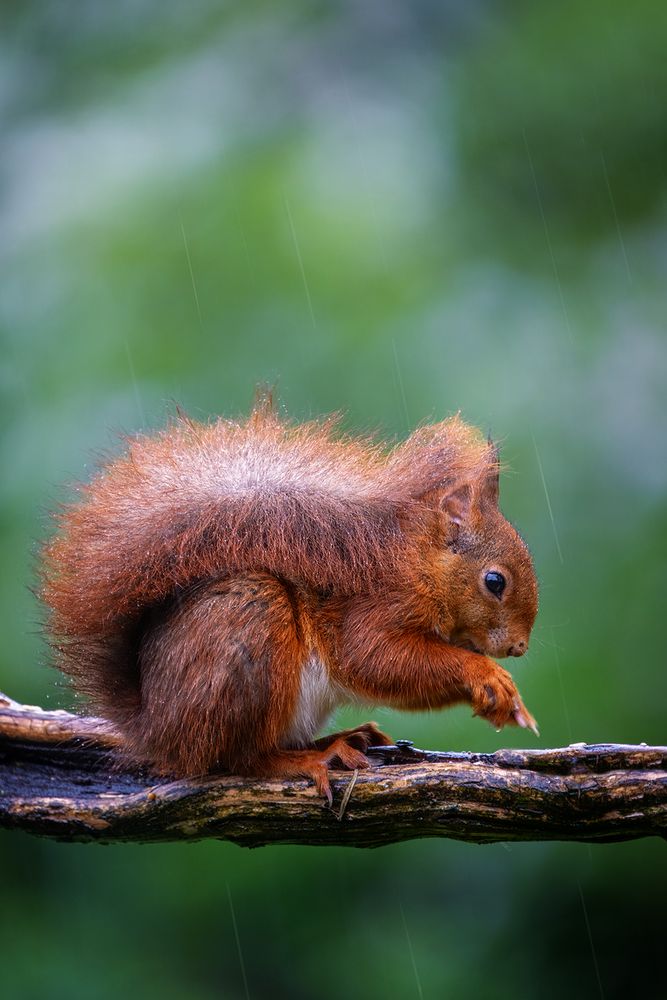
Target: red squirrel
219	589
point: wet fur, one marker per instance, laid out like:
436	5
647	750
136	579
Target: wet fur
217	589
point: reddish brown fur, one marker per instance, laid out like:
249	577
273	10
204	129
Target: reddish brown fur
217	582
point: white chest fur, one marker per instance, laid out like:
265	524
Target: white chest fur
318	697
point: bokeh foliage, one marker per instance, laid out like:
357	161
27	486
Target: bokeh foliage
395	211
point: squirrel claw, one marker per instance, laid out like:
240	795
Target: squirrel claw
323	786
526	721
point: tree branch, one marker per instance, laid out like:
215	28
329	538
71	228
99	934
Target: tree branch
64	776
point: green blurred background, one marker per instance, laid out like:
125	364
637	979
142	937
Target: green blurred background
397	211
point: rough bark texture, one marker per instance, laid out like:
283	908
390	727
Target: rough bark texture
63	776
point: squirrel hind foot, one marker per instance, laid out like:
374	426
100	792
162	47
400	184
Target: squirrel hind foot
343	750
361	737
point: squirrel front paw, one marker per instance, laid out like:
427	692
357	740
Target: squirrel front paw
494	696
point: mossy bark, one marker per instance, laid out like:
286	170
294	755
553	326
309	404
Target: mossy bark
64	776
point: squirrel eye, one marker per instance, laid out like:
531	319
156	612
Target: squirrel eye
495	582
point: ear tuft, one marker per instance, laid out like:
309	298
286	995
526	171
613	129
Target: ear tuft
265	402
489	492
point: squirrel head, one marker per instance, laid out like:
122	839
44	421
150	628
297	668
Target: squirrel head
490	581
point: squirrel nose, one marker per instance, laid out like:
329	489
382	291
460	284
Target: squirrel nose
517	648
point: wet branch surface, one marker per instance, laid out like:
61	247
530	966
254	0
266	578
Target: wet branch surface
63	776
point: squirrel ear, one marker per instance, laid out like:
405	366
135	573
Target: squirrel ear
457	504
